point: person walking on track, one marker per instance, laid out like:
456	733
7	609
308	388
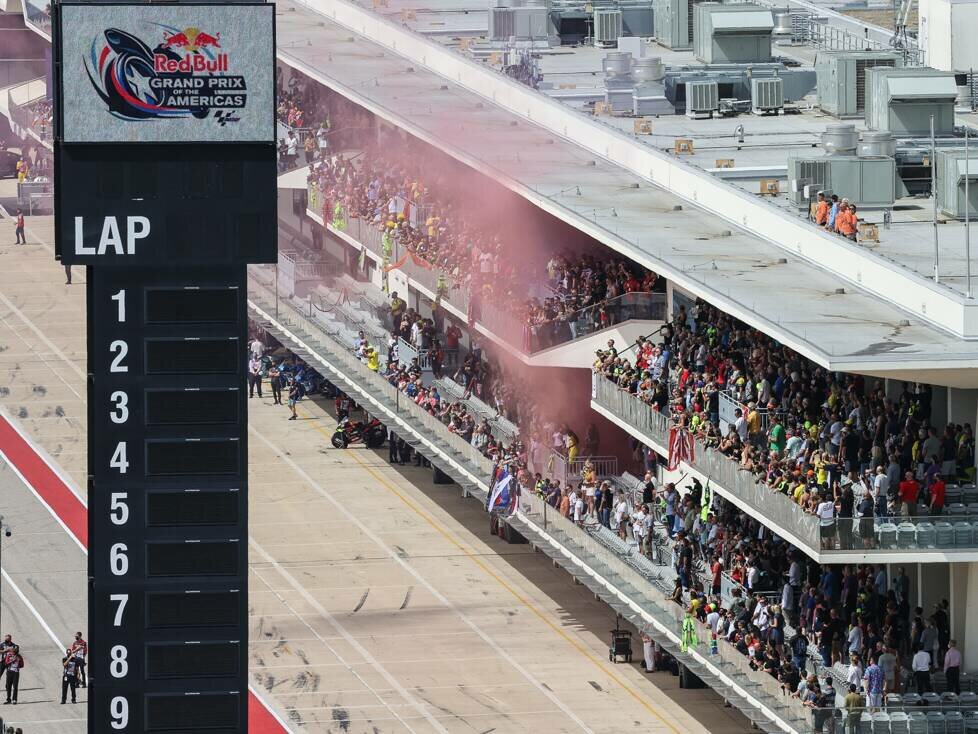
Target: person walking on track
19	230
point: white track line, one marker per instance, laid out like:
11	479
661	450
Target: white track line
33	610
412	701
40	499
42	336
342	509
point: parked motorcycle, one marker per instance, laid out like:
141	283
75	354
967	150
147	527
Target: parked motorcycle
371	433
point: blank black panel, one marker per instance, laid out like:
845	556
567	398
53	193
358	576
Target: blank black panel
197	660
197	183
232	179
188	712
192	507
192	406
191	306
181	558
191	356
143	180
165	609
249	235
109	180
181	457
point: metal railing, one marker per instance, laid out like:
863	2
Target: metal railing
565	470
825	36
535	337
296	270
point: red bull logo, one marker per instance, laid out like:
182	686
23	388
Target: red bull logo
190	63
191	41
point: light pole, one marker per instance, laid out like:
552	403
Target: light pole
6	533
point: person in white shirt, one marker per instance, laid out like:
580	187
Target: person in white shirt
578	510
639	528
794	574
713	618
920	665
760	618
257	348
881	486
826	517
854	675
620	513
741	425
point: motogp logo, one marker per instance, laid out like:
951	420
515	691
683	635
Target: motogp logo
185	75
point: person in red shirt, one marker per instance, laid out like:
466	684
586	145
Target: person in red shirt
909	489
79	651
19	223
937	489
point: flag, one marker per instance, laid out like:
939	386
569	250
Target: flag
499	498
680	447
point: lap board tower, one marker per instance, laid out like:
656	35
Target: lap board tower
165	190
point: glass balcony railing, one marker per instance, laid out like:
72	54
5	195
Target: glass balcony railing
954	529
504	323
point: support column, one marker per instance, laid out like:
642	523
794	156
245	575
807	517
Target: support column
893	388
962	406
959	603
935	584
970	651
939	406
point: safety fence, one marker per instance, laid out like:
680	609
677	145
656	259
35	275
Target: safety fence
297	270
571	471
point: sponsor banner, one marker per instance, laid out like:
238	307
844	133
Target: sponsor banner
167	73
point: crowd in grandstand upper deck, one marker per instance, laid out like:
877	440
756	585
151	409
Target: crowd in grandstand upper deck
833	443
381	187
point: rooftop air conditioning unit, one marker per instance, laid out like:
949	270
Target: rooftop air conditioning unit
766	95
607	27
952	169
702	99
502	23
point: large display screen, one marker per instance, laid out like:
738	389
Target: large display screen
167	73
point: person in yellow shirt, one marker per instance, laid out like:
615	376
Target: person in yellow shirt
753	423
373	359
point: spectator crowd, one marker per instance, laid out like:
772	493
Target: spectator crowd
834	443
